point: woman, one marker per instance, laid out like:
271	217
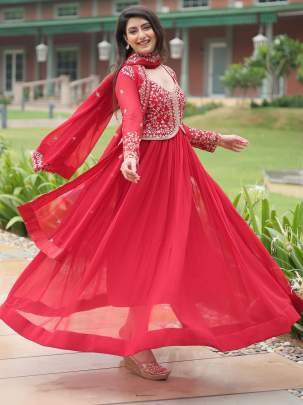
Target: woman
144	249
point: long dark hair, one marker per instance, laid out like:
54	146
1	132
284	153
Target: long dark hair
122	52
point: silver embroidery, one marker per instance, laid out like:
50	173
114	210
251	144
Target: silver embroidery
128	71
165	108
37	159
202	139
131	141
144	88
152	57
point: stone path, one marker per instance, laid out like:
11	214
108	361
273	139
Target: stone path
268	373
287	182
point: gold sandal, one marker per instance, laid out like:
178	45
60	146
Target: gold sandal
151	370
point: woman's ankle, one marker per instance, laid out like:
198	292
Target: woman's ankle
144	356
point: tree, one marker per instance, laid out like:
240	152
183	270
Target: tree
300	68
243	76
278	58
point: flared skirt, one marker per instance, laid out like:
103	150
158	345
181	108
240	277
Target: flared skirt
167	261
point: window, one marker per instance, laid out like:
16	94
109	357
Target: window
194	3
271	1
13	68
67	62
67	10
120	5
13	14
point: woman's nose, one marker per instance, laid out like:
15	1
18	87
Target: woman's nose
141	34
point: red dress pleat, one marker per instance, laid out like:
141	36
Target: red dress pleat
168	261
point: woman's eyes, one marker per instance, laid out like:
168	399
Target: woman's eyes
147	27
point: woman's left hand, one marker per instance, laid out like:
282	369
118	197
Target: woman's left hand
233	142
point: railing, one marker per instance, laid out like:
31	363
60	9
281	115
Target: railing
66	93
81	88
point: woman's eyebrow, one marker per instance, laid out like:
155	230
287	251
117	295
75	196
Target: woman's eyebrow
135	26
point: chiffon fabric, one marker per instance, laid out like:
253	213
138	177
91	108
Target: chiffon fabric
167	261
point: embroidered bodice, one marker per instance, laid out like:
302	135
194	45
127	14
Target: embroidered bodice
152	112
164	109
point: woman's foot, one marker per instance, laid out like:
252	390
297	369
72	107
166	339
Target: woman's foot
145	356
145	365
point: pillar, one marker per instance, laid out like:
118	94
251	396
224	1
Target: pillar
50	64
184	62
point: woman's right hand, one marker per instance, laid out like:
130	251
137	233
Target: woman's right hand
129	169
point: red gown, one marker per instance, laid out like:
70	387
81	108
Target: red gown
166	261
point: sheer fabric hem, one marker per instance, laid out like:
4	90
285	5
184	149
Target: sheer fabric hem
153	339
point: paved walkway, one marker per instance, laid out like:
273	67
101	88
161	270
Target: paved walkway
34	374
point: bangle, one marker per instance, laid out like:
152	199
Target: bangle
131	155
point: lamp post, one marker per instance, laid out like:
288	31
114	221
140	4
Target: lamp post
176	46
104	47
104	50
179	50
259	40
41	57
41	52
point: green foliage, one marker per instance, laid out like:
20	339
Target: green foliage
283	101
4	100
282	237
192	109
278	58
300	68
19	184
244	77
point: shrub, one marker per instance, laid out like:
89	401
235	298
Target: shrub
243	77
4	100
288	101
19	184
282	237
283	101
192	109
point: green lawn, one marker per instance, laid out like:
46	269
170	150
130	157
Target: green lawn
275	136
24	115
275	142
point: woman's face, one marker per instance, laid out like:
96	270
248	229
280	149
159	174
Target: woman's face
140	35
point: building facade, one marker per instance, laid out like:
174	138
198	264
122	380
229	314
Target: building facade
215	32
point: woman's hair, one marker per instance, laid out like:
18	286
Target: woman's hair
122	52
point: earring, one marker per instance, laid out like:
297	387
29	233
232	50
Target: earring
127	46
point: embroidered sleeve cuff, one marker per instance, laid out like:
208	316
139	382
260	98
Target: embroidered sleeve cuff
131	142
206	140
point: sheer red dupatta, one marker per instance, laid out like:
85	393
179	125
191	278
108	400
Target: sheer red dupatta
64	149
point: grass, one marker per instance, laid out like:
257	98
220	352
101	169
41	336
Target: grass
275	142
25	115
275	136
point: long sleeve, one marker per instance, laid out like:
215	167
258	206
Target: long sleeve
202	139
132	116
